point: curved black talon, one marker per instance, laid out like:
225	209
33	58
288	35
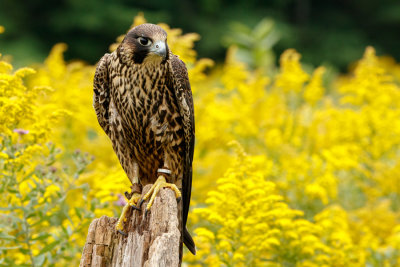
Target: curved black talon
128	195
141	202
122	233
135	207
178	199
146	212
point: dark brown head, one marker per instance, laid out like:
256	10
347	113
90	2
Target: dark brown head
146	43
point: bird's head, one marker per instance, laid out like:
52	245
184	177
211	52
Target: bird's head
146	43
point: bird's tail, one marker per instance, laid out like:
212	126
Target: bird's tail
188	241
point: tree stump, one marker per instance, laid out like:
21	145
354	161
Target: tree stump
151	240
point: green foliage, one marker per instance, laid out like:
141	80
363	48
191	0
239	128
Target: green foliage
254	44
37	220
44	210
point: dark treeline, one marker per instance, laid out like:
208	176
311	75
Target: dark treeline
335	32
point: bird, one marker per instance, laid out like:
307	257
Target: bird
143	102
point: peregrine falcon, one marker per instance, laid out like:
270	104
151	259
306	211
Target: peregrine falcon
143	102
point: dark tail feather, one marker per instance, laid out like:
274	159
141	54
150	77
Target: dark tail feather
188	241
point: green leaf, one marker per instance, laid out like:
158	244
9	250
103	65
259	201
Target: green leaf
6	236
49	247
27	176
69	230
78	213
12	190
39	260
64	230
42	236
10	248
24	250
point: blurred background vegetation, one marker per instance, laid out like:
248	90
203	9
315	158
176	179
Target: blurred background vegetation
335	31
294	164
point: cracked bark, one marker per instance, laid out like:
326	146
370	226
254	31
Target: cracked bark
151	241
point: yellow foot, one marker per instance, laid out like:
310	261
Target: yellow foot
131	203
160	183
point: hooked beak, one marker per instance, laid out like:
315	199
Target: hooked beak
159	48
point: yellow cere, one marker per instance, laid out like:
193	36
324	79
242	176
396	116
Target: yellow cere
292	169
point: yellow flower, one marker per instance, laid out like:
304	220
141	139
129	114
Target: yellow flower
318	184
292	76
314	89
317	192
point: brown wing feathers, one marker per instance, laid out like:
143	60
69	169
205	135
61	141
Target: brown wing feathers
101	96
185	101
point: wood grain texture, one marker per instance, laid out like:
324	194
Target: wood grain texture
151	241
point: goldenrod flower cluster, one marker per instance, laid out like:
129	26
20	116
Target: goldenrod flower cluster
318	186
40	222
289	170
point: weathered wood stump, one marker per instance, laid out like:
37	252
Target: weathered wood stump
151	240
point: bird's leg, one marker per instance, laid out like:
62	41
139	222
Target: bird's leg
133	199
135	196
161	182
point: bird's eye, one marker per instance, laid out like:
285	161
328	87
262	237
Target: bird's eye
144	41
